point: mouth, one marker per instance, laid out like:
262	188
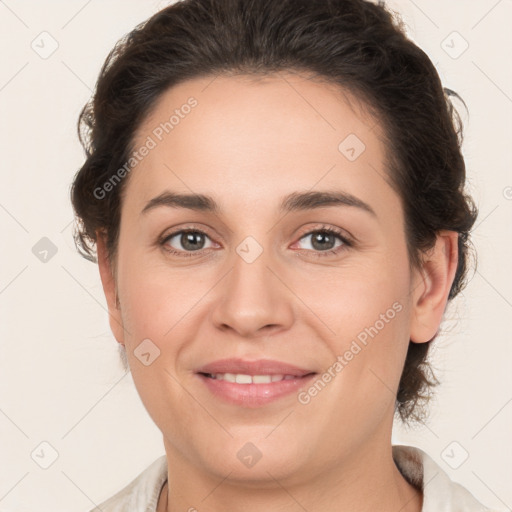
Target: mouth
252	384
241	378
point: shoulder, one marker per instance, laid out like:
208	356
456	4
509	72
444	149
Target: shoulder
440	493
141	494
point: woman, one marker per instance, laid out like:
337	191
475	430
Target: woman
227	142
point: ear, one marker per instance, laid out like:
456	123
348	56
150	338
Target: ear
109	287
432	286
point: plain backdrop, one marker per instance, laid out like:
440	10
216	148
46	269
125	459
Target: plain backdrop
72	428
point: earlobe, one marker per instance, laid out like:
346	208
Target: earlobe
430	293
109	287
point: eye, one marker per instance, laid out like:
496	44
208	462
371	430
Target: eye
191	242
185	242
323	241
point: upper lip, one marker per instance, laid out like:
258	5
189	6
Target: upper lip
257	367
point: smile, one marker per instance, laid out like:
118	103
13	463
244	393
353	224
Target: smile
241	378
252	383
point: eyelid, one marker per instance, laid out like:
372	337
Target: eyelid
342	233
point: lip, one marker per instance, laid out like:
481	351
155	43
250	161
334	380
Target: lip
258	367
253	395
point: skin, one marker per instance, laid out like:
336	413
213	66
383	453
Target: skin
248	143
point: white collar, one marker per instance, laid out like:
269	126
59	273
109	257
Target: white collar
440	493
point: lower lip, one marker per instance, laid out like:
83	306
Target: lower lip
254	395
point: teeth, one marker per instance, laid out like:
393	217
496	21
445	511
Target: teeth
263	379
241	378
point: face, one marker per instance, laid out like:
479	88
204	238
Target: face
294	264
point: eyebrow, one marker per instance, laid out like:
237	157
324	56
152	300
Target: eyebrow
296	201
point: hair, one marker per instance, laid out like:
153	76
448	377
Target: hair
360	46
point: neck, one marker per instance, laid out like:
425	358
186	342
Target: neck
364	482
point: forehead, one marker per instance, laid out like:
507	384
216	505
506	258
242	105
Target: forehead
249	138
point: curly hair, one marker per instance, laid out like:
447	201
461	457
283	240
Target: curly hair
358	45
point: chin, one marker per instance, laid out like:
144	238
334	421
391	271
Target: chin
255	460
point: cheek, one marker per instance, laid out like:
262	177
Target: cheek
359	300
155	301
364	316
157	315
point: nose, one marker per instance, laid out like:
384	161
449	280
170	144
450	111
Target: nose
253	299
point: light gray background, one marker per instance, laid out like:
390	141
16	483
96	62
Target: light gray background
61	381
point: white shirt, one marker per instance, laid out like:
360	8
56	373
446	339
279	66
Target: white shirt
440	493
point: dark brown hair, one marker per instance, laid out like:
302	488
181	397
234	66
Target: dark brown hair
356	44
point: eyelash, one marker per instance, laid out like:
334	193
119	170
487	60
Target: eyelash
322	229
